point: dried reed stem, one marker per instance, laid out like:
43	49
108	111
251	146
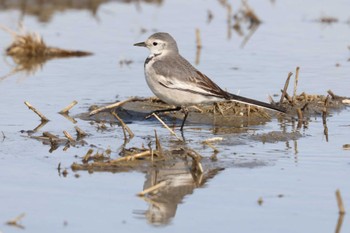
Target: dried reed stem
167	127
300	118
158	145
340	202
296	83
285	87
152	189
115	105
87	156
131	134
81	133
69	107
15	221
211	146
132	157
68	136
43	118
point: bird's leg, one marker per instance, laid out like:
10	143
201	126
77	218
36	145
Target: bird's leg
185	111
164	110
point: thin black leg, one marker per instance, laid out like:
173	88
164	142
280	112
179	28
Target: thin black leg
184	120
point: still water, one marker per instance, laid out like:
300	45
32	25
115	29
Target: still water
295	179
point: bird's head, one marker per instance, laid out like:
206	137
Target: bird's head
160	43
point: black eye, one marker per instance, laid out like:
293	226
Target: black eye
155	43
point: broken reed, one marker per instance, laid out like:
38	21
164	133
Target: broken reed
43	118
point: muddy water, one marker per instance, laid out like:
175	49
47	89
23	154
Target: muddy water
296	179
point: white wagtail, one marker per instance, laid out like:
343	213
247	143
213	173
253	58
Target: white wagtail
176	82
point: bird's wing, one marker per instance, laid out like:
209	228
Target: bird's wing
181	75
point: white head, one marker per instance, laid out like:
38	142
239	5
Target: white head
160	43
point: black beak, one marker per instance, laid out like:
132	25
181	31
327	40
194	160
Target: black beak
142	44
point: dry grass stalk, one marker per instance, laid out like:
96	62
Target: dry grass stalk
50	135
296	83
158	145
81	133
131	134
15	221
115	105
68	136
167	127
209	142
87	156
132	157
284	92
152	189
250	14
300	118
340	202
214	139
196	159
69	107
211	146
43	118
29	44
339	223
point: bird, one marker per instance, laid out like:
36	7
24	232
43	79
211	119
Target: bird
176	82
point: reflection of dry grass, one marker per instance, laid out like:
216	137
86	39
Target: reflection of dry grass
30	52
31	44
45	9
327	19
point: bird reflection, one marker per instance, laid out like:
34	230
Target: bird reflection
179	179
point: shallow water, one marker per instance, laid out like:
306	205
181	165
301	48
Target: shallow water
296	179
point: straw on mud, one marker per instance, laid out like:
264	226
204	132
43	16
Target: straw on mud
115	105
69	107
287	97
340	202
124	126
295	84
43	118
217	106
87	156
331	94
15	221
68	136
285	87
167	127
152	189
132	157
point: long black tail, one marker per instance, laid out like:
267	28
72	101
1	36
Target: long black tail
245	100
